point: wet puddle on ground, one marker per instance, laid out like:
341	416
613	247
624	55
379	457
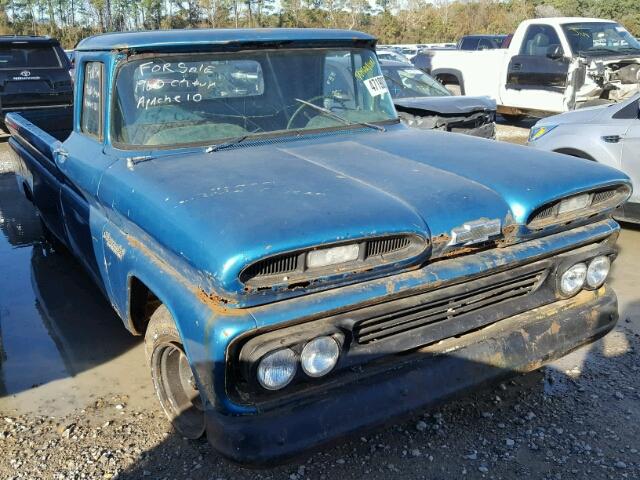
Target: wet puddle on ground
61	344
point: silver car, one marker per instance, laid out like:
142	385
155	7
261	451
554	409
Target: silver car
608	134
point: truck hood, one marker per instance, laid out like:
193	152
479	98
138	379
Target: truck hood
447	105
221	211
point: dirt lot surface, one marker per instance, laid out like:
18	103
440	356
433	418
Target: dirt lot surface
76	398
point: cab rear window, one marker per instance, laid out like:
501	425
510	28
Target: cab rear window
13	56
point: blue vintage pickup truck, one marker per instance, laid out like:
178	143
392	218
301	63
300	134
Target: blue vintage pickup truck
301	264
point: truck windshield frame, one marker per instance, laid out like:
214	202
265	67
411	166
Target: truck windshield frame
178	100
613	39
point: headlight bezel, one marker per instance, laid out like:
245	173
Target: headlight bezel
601	200
257	348
290	268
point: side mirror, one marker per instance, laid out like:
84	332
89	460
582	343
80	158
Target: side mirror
555	52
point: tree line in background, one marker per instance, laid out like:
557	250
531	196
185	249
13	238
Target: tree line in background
392	21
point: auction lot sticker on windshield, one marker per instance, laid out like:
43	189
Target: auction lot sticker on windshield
376	85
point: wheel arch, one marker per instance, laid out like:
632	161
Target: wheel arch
574	152
443	74
142	302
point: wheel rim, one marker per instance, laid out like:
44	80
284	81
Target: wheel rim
177	390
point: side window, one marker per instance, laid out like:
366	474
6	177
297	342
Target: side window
485	44
469	44
91	116
538	40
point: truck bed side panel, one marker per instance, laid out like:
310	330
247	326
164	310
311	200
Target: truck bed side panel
41	176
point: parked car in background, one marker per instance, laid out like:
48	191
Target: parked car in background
301	264
34	73
422	102
552	65
608	134
392	55
481	42
410	51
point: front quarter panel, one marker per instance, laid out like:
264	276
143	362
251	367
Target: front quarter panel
205	325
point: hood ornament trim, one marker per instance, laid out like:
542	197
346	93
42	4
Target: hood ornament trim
476	231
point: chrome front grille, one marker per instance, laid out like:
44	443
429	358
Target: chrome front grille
473	301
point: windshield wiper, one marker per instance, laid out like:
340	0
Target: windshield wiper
223	145
329	113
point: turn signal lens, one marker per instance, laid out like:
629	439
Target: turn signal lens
574	203
333	256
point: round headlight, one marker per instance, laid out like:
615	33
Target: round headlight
277	369
319	356
598	271
573	279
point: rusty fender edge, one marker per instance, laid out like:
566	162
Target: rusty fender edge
517	344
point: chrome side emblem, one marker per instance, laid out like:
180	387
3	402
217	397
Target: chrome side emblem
474	232
25	73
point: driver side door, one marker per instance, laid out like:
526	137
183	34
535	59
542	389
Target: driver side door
537	76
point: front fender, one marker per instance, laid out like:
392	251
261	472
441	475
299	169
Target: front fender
205	326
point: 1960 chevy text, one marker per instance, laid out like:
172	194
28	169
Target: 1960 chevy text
301	264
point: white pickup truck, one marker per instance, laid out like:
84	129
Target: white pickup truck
551	65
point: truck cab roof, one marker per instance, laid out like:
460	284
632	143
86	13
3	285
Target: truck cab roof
557	21
177	39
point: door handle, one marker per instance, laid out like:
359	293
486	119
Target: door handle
61	154
612	138
517	67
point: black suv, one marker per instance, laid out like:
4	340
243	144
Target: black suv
34	73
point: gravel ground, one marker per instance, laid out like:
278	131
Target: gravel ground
552	424
576	419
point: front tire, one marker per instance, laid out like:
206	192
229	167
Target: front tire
172	375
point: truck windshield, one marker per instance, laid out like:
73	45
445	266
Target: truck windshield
28	57
178	99
600	38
